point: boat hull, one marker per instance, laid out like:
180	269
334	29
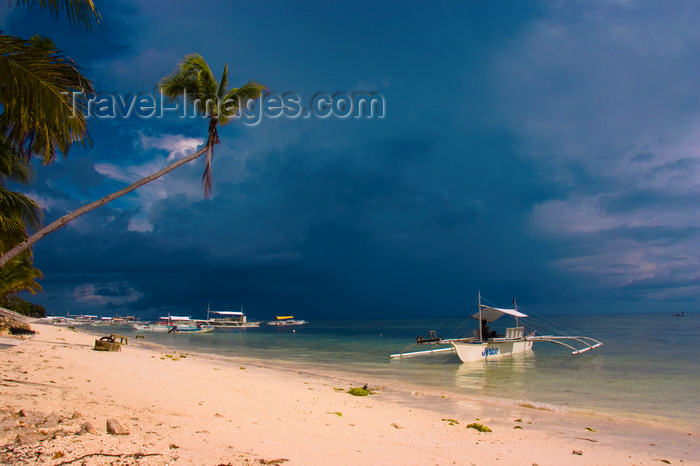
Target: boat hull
470	352
151	328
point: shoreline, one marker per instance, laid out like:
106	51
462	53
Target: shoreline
220	410
425	391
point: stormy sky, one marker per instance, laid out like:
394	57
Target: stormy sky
547	151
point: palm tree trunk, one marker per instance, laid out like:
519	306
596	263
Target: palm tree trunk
61	222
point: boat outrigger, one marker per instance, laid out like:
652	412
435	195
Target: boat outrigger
486	344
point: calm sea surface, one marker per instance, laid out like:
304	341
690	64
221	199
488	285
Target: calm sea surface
648	367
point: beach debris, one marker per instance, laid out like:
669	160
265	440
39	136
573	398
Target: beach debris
172	446
576	452
277	461
361	391
115	428
517	427
589	439
337	413
590	429
58	454
396	426
479	427
452	422
107	344
136	456
518	420
663	461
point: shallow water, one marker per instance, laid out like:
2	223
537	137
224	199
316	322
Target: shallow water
648	367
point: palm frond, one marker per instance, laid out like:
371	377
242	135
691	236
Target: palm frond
223	84
40	114
14	205
82	12
194	80
236	99
12	167
19	275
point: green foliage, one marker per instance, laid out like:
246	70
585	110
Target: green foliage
81	12
479	427
361	391
452	422
36	95
21	306
194	80
358	391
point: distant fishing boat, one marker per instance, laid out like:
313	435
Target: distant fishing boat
227	319
286	320
485	344
682	314
173	324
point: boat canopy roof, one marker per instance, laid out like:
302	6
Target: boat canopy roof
284	317
489	314
175	318
228	313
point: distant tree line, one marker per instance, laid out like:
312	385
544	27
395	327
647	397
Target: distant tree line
17	304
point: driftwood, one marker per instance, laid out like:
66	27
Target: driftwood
124	455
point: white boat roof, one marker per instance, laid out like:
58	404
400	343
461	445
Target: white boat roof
489	314
228	313
175	318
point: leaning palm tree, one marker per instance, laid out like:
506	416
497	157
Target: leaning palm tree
194	81
195	75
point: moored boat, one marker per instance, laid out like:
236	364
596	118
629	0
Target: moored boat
286	320
173	324
486	344
227	319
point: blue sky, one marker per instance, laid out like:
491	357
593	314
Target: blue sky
543	150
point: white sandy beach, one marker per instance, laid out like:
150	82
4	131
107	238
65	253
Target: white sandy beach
204	410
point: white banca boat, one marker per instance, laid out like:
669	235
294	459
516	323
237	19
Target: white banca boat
486	344
227	319
173	324
286	320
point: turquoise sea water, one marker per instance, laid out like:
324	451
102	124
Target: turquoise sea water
648	367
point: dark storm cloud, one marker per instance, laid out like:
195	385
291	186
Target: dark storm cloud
545	151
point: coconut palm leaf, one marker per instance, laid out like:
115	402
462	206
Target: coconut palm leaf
81	12
40	114
19	275
17	211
